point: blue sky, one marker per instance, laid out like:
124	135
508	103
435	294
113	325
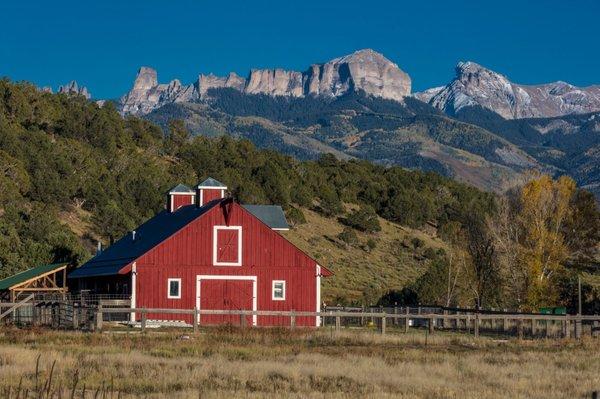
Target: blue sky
101	44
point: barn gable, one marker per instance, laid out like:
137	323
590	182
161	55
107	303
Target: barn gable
240	230
154	233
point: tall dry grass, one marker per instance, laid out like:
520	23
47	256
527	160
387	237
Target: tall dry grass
300	364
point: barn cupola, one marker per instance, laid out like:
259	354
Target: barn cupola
178	196
210	189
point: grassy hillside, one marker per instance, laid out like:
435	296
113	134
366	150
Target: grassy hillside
363	275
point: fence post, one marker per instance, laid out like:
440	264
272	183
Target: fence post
431	325
406	320
195	321
596	329
567	327
533	328
445	322
547	322
338	323
383	325
520	328
578	327
476	326
143	320
99	318
75	317
292	320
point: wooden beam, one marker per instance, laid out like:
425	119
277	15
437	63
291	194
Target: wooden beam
64	267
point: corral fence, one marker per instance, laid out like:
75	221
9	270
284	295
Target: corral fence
92	316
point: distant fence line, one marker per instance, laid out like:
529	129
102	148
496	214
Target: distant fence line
91	317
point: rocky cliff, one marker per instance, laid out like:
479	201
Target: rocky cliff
72	88
476	85
364	70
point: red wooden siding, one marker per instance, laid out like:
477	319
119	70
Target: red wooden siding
179	200
209	194
227	245
225	294
266	255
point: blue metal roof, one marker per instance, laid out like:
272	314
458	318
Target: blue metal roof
181	188
271	215
147	236
210	182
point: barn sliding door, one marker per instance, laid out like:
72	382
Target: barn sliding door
226	293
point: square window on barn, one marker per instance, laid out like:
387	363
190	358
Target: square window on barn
174	288
278	290
227	246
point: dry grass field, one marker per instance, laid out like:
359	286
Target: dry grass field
301	364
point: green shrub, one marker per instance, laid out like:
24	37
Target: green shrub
348	236
364	219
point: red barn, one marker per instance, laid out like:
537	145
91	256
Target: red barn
209	252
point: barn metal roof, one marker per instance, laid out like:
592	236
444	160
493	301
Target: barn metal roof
210	182
181	188
271	215
34	272
147	236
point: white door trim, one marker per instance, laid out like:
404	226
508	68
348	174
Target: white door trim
199	279
318	289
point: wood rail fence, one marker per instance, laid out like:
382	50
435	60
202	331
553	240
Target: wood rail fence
514	324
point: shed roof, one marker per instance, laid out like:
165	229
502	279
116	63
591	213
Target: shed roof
28	274
181	188
210	182
271	215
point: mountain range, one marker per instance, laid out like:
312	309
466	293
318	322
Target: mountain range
480	128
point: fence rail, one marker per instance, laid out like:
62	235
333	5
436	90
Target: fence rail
76	316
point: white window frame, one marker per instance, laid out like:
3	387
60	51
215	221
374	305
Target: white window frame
273	290
169	281
216	247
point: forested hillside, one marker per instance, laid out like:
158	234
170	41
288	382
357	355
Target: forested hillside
410	134
73	173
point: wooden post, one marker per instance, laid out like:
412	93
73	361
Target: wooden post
195	320
567	327
445	323
476	326
547	322
99	318
383	325
596	329
407	320
578	328
395	318
292	320
75	317
533	328
431	325
338	323
520	328
505	324
143	320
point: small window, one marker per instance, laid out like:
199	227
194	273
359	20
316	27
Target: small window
174	287
278	290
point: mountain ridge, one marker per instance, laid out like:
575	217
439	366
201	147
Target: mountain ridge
477	85
364	70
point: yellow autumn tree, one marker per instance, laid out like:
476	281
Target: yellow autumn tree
544	209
